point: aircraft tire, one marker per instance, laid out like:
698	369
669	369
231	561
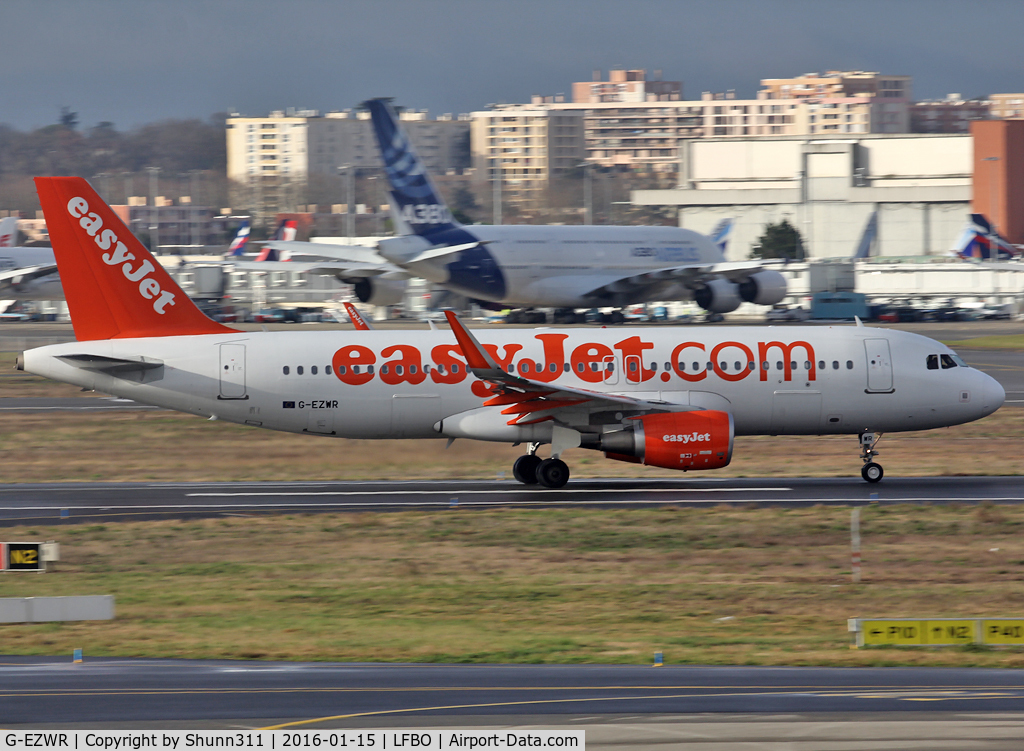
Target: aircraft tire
872	472
552	473
524	469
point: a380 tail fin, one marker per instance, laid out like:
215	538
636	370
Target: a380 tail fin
114	287
415	202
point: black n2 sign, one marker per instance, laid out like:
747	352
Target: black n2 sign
22	556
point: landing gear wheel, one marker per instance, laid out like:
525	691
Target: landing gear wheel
552	473
872	472
525	469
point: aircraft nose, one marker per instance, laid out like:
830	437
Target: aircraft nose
993	394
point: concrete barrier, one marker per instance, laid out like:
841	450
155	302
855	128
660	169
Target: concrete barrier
46	609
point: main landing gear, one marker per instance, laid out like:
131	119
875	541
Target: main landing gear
530	469
871	471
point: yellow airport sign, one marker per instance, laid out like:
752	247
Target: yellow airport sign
955	631
923	632
891	632
1002	631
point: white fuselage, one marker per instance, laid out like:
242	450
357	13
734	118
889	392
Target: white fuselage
557	266
818	380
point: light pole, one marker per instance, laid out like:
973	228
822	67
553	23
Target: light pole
497	189
993	207
375	197
154	216
350	189
588	193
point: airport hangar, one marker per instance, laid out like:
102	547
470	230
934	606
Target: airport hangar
923	187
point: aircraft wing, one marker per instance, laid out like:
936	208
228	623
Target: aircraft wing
689	275
339	269
350	253
526	400
14	277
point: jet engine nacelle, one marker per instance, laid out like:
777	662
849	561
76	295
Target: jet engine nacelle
378	291
718	296
675	440
765	287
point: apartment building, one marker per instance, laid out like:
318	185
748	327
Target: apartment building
887	98
1006	106
527	146
953	114
631	123
626	86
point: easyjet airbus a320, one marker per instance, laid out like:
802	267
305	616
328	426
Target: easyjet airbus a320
666	397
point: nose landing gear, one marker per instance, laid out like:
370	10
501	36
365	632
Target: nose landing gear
530	469
871	471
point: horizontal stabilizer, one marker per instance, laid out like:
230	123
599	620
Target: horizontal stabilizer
112	365
441	251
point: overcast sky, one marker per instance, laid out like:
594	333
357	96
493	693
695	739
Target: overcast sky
138	61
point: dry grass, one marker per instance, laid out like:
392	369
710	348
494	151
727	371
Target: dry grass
531	586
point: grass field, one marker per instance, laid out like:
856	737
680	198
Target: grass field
711	586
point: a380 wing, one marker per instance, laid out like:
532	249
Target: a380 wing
688	275
339	269
526	400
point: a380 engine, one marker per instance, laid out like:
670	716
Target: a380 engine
765	287
675	440
718	296
379	290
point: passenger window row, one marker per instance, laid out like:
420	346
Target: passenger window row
632	366
300	370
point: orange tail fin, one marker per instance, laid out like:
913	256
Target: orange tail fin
114	287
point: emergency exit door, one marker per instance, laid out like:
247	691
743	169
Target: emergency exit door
232	371
879	361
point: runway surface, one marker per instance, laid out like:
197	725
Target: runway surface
79	502
35	690
70	404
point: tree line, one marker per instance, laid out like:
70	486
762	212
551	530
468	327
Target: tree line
181	149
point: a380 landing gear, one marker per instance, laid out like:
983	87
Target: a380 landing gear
530	469
871	471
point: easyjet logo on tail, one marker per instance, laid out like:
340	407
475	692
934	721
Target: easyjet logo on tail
106	239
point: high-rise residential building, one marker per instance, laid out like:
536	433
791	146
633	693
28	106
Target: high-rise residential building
528	146
1007	106
890	95
626	86
272	158
950	115
631	123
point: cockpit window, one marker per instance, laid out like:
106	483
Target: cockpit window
959	361
947	362
933	362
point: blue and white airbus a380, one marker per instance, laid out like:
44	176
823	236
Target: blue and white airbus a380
547	266
662	396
